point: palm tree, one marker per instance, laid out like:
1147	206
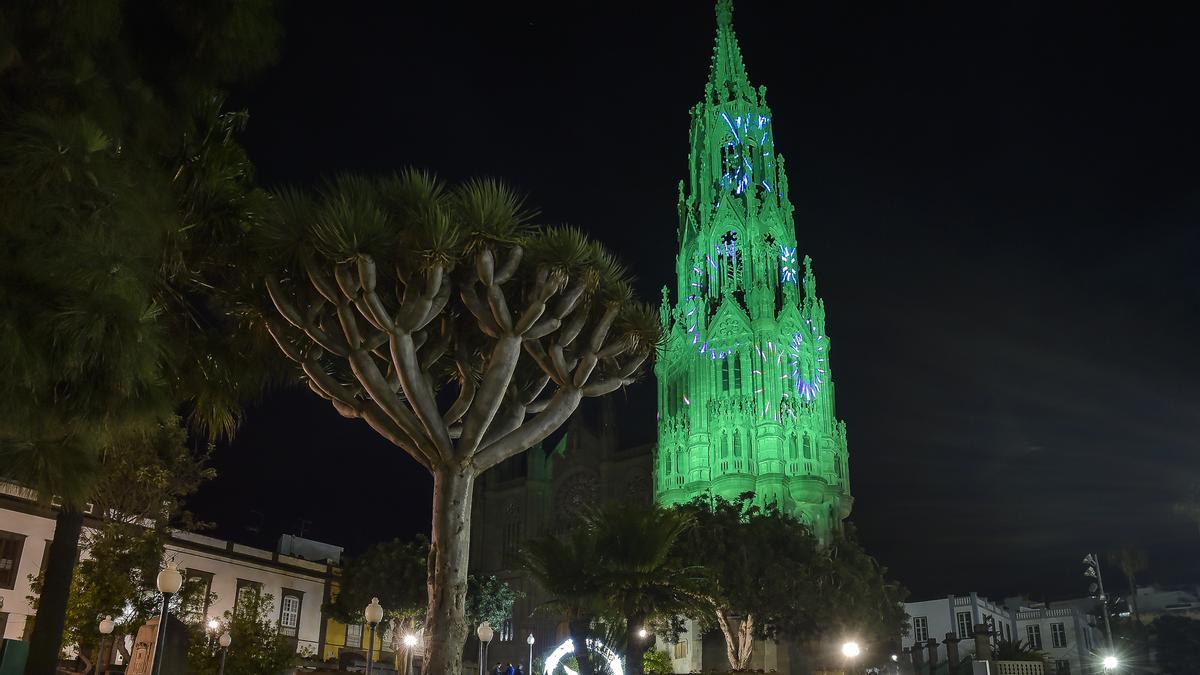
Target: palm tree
566	568
1131	561
1016	650
640	578
618	565
454	328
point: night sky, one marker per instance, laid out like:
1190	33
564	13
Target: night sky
1001	202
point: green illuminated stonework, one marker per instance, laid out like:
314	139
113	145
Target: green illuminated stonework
745	388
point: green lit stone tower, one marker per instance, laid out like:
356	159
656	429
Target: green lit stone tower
745	388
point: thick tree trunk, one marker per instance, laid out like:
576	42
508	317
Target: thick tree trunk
45	642
581	630
447	579
635	646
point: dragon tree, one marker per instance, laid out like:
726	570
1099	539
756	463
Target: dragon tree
452	326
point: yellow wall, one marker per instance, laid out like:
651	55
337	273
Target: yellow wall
335	632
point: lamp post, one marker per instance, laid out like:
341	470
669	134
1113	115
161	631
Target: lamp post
225	640
484	633
1092	569
169	582
529	641
410	641
1110	663
851	650
106	628
373	614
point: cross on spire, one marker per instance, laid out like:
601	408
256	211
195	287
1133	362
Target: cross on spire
727	79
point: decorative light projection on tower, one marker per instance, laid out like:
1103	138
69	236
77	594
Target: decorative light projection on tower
745	390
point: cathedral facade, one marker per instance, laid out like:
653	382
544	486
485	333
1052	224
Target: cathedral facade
745	386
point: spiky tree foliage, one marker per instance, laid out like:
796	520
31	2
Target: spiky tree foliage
119	182
455	329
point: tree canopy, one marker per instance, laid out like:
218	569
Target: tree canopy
772	575
455	328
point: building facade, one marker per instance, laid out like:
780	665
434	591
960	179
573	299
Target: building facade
300	575
544	491
1068	637
745	387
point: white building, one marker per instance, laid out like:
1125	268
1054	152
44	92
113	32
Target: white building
297	585
1156	601
1067	636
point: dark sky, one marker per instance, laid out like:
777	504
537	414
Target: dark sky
1001	202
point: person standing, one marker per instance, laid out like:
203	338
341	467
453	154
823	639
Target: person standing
510	670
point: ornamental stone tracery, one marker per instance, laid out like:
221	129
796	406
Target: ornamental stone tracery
745	388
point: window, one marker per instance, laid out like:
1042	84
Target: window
289	613
354	635
681	649
920	628
197	579
964	625
506	630
1033	635
1008	632
807	447
3	623
10	557
1058	635
1062	667
247	591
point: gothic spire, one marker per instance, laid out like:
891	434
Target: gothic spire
727	80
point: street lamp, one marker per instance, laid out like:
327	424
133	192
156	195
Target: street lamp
169	581
1110	663
410	641
225	640
106	628
529	641
850	650
484	633
373	614
642	633
1092	569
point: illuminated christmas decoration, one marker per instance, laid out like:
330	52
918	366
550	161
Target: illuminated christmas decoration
610	657
745	391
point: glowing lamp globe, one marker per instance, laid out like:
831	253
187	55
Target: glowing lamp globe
485	632
374	612
107	625
170	580
1110	663
410	641
225	640
529	640
213	624
850	650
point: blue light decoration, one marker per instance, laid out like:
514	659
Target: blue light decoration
807	385
788	271
741	169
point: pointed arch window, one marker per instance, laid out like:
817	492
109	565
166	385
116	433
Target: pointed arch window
736	368
737	443
794	448
807	447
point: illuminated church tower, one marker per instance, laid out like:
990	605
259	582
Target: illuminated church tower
745	388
